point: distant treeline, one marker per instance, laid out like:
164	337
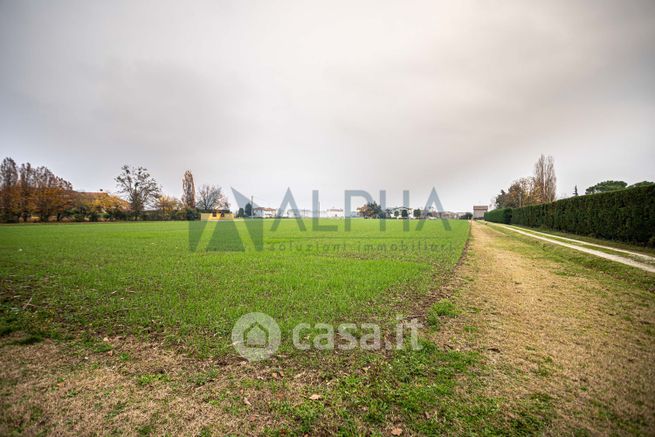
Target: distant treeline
30	193
625	215
36	194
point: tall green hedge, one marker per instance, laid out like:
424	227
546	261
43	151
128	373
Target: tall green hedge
625	215
500	215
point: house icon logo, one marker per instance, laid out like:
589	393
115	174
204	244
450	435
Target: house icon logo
256	336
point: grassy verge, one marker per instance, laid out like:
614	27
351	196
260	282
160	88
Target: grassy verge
574	261
567	318
587	239
635	255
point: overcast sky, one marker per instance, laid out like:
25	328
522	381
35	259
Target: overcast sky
331	95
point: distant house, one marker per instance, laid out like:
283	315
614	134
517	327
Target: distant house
263	212
100	200
478	211
293	213
332	213
221	214
296	213
401	212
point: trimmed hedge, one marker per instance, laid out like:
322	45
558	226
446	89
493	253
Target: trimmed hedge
625	215
501	215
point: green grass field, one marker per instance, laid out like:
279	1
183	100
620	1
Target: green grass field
166	295
145	279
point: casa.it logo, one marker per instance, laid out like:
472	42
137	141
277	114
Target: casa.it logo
256	336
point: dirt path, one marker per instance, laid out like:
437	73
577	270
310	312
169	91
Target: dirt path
609	256
601	246
581	344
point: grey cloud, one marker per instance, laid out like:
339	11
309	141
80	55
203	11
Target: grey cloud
261	95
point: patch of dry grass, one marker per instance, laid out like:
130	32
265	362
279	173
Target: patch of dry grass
554	329
135	388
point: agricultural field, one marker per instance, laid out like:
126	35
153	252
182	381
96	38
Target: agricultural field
153	304
124	328
178	282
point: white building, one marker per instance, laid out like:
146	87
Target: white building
332	213
478	211
401	212
263	212
308	213
297	213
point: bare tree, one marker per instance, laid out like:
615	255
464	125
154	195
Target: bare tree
210	198
523	191
545	182
188	190
139	188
